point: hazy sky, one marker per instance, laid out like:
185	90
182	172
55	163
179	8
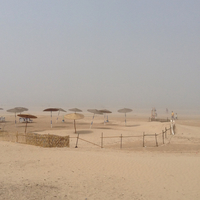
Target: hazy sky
100	54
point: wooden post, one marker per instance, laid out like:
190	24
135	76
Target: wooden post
156	140
75	125
143	138
165	132
77	141
170	130
121	142
163	137
102	140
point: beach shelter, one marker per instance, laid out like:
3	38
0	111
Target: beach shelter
60	110
74	116
26	116
125	110
105	111
94	111
21	109
75	110
51	110
16	110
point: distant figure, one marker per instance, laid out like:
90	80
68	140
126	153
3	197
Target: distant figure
155	113
176	116
166	110
172	115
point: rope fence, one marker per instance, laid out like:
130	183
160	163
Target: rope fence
47	140
159	139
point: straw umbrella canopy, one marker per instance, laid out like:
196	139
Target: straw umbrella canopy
125	110
16	110
22	109
74	116
105	111
26	116
94	111
60	110
75	110
51	110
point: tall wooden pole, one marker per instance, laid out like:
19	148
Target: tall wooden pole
92	121
58	116
75	125
77	141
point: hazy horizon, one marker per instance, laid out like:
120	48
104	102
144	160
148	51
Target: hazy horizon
100	54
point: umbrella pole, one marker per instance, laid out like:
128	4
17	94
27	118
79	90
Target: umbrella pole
92	121
51	119
25	130
15	119
58	116
26	125
125	119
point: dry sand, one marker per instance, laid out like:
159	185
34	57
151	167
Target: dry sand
169	171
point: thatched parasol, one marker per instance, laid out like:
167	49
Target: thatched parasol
75	110
60	110
26	116
51	110
94	111
16	110
125	110
105	111
74	116
21	109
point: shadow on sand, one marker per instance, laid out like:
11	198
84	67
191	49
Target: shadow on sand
83	132
132	125
102	128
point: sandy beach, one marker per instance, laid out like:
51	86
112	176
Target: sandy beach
135	65
169	171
